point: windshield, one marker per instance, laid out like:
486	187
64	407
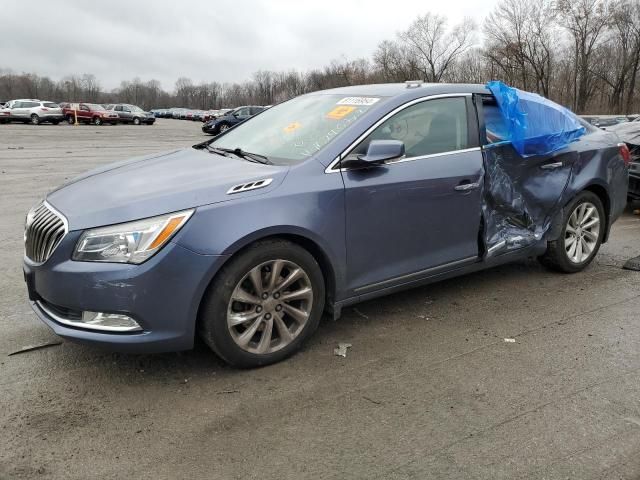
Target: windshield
297	129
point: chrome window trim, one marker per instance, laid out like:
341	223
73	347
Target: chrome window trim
82	325
331	168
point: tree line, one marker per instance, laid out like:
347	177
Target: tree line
584	54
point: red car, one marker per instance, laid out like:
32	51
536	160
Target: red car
89	113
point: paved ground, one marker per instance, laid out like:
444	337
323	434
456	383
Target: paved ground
430	389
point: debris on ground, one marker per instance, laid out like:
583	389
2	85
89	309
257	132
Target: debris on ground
341	351
376	402
510	340
31	348
632	264
223	392
360	313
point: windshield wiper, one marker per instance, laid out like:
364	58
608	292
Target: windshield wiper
252	157
238	152
220	151
256	157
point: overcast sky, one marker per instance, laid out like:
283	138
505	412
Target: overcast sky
210	40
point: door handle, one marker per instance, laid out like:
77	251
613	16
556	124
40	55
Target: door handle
465	187
551	166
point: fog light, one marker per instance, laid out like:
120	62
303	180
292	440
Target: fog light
110	321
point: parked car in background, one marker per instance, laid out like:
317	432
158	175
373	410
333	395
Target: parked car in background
602	121
230	119
5	112
247	238
89	113
629	133
35	112
132	114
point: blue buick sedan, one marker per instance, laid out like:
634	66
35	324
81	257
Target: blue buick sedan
318	203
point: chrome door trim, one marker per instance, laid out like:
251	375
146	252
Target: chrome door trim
345	152
412	276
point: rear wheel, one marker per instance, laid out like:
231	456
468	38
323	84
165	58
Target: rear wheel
581	236
70	119
35	119
263	304
97	121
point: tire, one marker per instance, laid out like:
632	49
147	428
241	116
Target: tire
34	119
136	121
113	123
243	344
70	120
55	122
97	121
565	255
223	128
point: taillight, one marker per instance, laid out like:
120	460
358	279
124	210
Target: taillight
625	153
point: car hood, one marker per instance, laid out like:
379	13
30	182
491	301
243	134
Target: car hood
157	184
628	132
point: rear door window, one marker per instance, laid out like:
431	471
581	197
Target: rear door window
51	105
494	123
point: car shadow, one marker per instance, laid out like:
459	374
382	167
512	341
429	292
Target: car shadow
200	361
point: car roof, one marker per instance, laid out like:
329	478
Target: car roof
409	89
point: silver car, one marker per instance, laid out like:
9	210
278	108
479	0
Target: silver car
35	112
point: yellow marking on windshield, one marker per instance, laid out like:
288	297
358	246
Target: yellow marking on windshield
292	127
340	112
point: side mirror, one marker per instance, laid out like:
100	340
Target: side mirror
378	152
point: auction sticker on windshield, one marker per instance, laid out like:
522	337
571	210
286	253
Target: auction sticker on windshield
340	112
358	101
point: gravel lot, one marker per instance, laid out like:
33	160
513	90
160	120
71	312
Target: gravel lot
430	388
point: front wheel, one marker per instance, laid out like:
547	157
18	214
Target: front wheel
581	236
70	119
136	121
263	304
223	128
97	121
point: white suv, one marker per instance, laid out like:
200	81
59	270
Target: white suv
35	111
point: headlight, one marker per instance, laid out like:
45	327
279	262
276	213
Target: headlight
132	242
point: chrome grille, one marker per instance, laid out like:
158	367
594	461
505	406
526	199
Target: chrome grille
44	230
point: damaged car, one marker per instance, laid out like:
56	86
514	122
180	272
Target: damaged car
321	202
629	133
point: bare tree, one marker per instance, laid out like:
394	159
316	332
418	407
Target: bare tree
435	47
586	22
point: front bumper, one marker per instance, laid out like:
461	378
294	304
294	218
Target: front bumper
162	295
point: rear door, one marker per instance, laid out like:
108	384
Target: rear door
419	215
529	189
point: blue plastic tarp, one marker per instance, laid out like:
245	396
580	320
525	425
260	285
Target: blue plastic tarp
533	124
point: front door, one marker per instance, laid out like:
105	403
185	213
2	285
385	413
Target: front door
413	217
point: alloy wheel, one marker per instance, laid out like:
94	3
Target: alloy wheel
582	232
224	127
35	120
270	306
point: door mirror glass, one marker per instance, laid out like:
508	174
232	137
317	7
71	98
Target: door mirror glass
378	152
